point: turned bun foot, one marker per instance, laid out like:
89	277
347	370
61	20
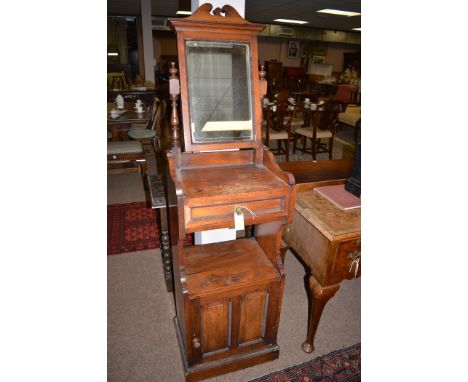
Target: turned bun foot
307	347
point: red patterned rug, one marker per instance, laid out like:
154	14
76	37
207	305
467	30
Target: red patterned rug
339	366
131	227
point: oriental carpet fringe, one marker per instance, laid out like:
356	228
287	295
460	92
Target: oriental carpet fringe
342	365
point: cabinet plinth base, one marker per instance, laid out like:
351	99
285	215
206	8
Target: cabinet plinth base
224	365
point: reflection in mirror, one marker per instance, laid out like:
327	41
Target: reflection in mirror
219	91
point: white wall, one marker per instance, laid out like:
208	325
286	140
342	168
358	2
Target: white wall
274	48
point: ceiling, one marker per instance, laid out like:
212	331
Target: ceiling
262	11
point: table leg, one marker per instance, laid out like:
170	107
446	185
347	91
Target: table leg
115	132
119	131
320	296
165	248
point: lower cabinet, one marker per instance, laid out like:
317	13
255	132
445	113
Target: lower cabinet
228	305
238	322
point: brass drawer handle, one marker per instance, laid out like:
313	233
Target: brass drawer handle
196	343
355	258
356	255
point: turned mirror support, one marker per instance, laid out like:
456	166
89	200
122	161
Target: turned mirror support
174	91
262	82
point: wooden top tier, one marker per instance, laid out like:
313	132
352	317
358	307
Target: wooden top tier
331	221
222	182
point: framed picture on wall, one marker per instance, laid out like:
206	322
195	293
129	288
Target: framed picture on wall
293	49
318	59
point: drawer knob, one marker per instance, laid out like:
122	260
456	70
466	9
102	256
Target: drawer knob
196	343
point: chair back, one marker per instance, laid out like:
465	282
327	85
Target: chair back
152	112
159	114
116	80
274	86
296	84
283	95
281	121
326	116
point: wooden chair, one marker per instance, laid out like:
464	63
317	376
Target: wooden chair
322	126
274	71
278	127
124	153
152	112
296	81
150	133
116	81
282	95
296	84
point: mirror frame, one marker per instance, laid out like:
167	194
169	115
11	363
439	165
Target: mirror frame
215	125
231	28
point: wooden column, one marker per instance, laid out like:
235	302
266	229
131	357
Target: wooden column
147	40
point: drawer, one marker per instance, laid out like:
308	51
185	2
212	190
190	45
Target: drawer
347	262
222	215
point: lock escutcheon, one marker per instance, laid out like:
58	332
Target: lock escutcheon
239	210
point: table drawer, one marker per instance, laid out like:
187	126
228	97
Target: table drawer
347	262
197	217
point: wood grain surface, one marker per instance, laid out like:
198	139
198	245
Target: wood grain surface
238	263
331	221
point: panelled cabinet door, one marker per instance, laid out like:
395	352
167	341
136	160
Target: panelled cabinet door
232	324
253	315
210	328
215	326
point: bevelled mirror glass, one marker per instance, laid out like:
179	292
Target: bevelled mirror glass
219	84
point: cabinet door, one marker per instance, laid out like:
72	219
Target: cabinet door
210	328
253	317
232	324
215	326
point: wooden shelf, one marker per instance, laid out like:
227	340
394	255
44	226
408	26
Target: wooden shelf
212	182
238	263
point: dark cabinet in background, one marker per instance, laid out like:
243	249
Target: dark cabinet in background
353	60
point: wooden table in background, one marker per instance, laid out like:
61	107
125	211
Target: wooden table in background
119	126
132	95
326	238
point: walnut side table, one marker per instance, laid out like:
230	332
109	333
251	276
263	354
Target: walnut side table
328	239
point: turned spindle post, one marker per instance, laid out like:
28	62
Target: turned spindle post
174	91
262	82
